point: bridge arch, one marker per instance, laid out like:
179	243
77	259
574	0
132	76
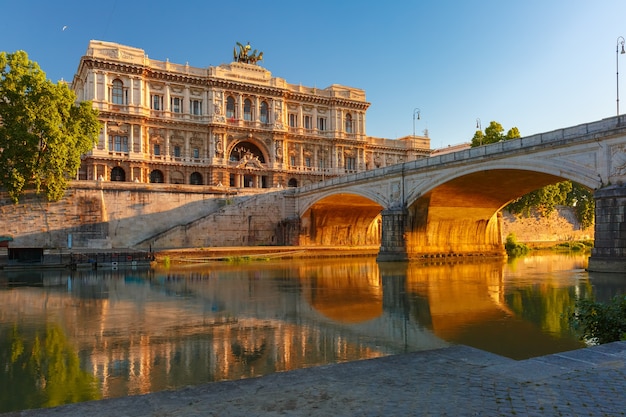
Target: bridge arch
341	219
539	174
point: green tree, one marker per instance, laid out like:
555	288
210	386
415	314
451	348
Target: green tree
599	322
581	198
566	193
493	133
544	200
42	132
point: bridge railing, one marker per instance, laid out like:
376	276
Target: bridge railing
600	128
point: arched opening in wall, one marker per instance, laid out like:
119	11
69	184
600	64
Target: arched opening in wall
342	219
246	153
195	179
176	177
292	183
156	176
118	174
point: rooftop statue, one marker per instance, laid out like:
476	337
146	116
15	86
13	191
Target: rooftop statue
245	56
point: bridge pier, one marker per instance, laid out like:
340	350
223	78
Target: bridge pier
609	252
393	239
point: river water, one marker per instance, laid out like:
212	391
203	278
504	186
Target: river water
76	336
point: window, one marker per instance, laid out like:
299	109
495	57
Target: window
157	149
247	110
307	122
196	153
156	176
293	120
348	123
195	107
196	178
321	123
264	114
292	161
118	143
118	174
307	162
117	96
177	151
176	104
230	108
156	102
351	164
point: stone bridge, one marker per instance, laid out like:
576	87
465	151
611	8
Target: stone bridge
448	205
443	206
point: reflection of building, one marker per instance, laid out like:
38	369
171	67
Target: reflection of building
233	124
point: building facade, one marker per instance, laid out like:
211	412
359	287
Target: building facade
232	125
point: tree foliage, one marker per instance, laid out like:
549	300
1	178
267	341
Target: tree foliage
43	134
493	133
598	322
566	193
544	200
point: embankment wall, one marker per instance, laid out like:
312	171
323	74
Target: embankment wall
128	215
107	214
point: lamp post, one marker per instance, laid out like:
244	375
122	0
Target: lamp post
479	126
620	41
416	111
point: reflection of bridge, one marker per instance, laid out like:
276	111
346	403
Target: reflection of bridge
137	333
448	205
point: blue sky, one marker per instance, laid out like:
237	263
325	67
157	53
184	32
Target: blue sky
539	65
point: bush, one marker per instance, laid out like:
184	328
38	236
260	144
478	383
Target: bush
513	247
599	323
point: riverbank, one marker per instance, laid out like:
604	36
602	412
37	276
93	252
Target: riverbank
454	381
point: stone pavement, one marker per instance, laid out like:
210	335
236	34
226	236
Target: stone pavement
455	381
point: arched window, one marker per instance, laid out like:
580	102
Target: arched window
292	183
348	123
264	113
156	176
230	108
247	110
195	178
118	174
117	95
248	152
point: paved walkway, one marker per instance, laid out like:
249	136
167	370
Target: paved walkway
455	381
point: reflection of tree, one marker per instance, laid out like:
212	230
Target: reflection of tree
546	305
41	370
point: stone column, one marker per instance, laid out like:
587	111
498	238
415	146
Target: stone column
393	242
131	139
609	252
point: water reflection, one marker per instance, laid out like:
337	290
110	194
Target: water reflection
70	337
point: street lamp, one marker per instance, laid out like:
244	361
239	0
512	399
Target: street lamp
479	126
620	41
416	111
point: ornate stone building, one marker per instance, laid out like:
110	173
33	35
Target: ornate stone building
230	125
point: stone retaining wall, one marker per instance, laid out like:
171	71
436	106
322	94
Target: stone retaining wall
122	215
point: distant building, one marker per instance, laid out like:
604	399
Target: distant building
232	125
